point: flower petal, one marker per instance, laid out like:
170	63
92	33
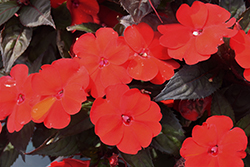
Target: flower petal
104	36
190	148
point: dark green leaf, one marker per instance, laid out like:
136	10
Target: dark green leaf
61	147
36	14
61	16
21	139
244	124
7	10
238	96
235	7
9	156
141	159
220	106
3	139
193	82
138	8
79	123
247	161
245	20
170	139
14	40
64	42
87	27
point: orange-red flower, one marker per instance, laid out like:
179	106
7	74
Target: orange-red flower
103	55
146	60
61	86
16	97
215	143
69	162
240	43
83	11
56	3
201	30
126	118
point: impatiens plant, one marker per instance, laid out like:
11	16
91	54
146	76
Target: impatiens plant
125	82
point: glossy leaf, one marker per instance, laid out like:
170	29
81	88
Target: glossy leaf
14	40
235	7
245	20
193	82
244	124
9	156
86	27
139	8
220	106
7	10
141	159
36	14
21	139
170	139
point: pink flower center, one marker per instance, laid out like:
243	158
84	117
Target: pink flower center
126	119
20	98
197	32
75	3
213	150
59	95
103	62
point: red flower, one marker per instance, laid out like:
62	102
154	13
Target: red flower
56	3
16	98
103	56
240	43
147	54
83	11
201	30
126	118
61	86
108	17
69	162
215	144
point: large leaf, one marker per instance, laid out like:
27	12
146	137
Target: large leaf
87	27
235	7
193	82
61	16
139	8
220	106
36	14
9	156
238	96
170	139
245	20
7	10
141	159
21	139
244	124
14	40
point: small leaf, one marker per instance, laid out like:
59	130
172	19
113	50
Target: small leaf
138	8
21	139
193	82
220	106
36	14
170	139
245	20
244	124
14	40
7	10
141	159
9	156
235	7
87	27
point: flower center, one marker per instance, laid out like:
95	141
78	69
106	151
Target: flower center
126	119
59	95
213	150
20	98
144	53
197	32
103	62
75	3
